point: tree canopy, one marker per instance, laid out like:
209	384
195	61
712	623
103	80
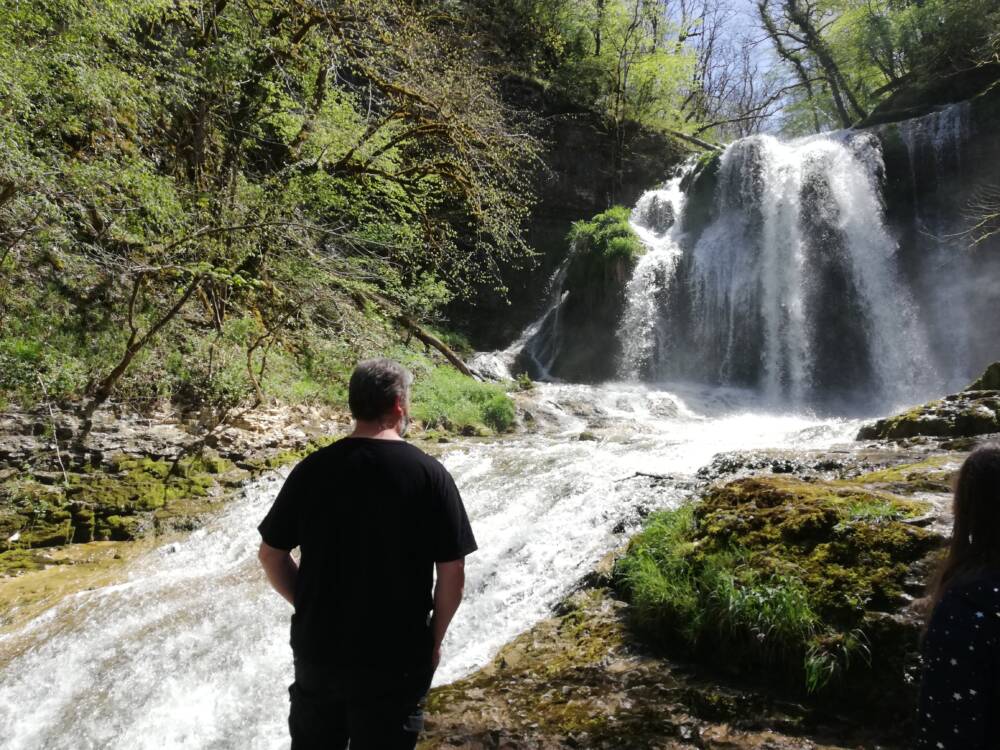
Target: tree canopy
251	169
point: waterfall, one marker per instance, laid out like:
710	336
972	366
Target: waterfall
791	287
538	345
644	328
938	136
822	272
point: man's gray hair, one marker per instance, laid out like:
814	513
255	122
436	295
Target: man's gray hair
375	385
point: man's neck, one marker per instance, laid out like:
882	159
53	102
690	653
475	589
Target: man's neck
375	430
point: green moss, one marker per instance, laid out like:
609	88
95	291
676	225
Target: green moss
773	571
143	484
975	411
103	505
284	458
924	476
17	561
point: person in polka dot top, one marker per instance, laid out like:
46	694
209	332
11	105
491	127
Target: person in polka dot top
960	693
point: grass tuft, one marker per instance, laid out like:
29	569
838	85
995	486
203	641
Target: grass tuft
444	398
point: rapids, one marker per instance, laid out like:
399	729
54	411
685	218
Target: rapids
189	649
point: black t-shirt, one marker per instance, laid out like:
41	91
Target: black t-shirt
371	518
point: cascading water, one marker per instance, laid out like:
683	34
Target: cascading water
644	328
784	279
791	288
938	137
539	343
190	649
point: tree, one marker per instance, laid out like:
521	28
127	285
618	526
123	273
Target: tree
243	171
796	29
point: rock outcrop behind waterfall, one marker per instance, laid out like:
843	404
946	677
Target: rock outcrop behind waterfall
581	177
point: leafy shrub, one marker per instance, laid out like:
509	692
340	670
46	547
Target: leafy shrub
608	235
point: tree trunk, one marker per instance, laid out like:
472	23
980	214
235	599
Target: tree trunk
135	344
438	344
840	88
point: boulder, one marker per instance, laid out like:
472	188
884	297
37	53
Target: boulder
989	381
975	411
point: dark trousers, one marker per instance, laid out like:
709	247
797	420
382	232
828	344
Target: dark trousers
327	714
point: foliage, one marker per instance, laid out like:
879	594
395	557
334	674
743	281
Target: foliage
443	398
608	235
772	572
191	190
844	57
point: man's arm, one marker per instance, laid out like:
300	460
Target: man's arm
447	596
281	570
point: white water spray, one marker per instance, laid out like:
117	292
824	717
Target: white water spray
791	288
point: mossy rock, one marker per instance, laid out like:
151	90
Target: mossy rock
967	414
118	528
780	576
850	546
989	381
117	504
700	187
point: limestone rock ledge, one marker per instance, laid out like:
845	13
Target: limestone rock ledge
973	412
580	680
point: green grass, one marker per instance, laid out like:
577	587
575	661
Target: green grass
443	398
719	601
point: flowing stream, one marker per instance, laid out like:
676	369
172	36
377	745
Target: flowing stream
190	649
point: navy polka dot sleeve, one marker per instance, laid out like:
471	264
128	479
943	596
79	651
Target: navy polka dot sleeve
959	697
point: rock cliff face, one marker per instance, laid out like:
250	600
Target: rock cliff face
936	167
578	179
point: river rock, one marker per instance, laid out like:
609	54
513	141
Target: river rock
973	412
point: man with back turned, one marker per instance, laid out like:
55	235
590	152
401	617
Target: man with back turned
373	517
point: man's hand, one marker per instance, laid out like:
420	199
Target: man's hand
447	596
281	570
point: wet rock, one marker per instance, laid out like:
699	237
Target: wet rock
848	554
989	381
579	680
975	411
658	215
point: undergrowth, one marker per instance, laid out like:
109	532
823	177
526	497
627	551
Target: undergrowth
443	398
771	573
